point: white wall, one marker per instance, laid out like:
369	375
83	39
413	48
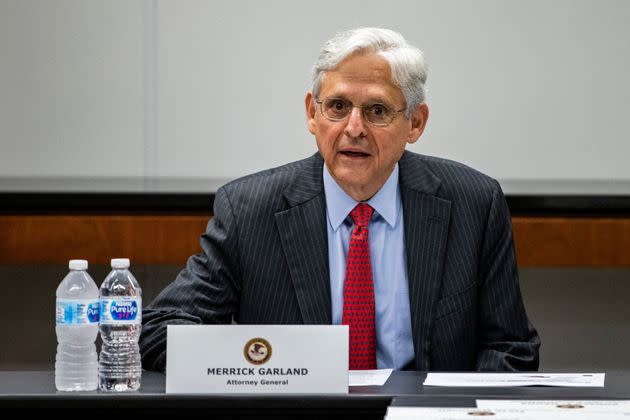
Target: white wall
523	90
71	88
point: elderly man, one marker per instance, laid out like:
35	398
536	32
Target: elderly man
414	253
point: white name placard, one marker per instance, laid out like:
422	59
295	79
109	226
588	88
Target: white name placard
303	359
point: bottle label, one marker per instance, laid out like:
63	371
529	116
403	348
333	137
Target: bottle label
77	311
121	310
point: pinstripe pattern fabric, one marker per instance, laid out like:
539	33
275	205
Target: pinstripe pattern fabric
264	260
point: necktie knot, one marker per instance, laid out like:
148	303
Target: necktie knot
361	214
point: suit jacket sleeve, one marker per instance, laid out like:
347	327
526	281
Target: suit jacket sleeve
205	292
507	340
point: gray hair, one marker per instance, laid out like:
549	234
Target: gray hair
406	61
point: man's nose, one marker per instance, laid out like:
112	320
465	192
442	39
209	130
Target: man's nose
355	127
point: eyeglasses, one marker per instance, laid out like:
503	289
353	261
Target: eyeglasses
338	109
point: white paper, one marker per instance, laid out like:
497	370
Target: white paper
436	413
619	406
515	379
450	413
368	377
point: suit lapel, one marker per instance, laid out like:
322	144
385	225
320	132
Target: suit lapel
302	229
426	219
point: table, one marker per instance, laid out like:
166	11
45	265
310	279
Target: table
35	389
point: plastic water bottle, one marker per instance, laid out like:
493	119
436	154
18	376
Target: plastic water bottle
121	314
77	316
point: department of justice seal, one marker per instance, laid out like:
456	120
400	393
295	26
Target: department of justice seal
257	351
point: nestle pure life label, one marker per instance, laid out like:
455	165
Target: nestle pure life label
121	310
77	311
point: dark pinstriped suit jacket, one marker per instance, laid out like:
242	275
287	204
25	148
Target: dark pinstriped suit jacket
265	261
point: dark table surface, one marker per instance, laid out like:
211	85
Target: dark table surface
36	389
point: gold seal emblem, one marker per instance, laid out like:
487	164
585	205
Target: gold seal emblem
570	405
257	351
480	413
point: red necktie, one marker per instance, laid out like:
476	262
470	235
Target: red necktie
358	293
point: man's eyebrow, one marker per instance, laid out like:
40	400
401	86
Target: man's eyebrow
379	100
337	96
370	101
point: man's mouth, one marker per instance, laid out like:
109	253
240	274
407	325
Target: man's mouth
355	154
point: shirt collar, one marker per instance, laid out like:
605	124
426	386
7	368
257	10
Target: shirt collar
339	204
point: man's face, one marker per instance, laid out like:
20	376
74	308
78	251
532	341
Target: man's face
361	156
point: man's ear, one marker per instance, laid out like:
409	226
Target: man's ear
309	101
418	122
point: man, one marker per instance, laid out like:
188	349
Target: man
414	253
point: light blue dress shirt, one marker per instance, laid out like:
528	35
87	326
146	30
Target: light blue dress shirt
387	251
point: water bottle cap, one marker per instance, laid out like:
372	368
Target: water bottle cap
78	265
120	262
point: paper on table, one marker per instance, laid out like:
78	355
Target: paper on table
368	377
449	413
434	413
515	379
561	405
